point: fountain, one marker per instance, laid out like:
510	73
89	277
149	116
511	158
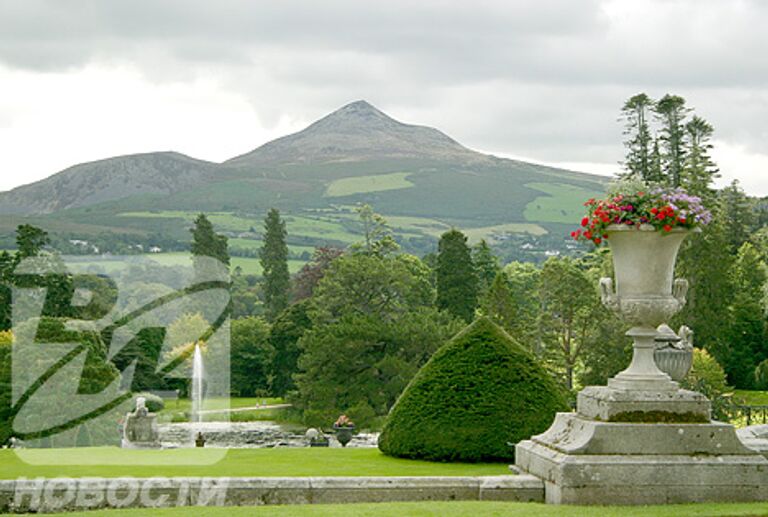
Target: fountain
197	384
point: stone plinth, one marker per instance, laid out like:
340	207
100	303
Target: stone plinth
657	455
612	405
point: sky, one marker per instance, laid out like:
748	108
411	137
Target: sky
542	81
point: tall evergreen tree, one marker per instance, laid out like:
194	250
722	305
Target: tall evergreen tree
671	113
738	213
274	262
456	278
498	305
698	169
206	242
486	265
635	113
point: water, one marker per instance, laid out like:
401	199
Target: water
197	385
248	435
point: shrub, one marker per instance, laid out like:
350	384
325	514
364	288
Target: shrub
478	394
155	404
708	377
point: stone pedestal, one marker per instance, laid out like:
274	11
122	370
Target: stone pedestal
635	447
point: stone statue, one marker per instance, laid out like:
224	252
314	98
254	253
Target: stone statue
140	430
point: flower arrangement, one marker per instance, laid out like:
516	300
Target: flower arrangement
343	421
662	209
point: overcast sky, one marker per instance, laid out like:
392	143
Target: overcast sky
83	80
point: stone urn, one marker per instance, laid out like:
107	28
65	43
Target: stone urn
344	434
645	296
674	352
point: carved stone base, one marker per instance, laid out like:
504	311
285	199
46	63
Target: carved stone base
584	461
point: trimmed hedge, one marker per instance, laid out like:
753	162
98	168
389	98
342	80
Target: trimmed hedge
480	392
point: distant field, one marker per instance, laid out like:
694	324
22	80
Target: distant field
562	204
320	227
255	244
250	266
488	232
364	184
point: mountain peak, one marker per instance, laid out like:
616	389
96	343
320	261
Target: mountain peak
356	131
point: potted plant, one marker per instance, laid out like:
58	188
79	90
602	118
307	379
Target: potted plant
344	428
644	228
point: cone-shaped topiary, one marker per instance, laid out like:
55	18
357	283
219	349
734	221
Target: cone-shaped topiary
477	394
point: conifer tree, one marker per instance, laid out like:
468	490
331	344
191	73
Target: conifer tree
671	113
456	277
206	242
635	113
486	265
274	262
699	170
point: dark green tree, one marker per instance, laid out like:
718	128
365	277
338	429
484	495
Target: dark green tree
207	243
30	240
497	303
671	113
738	212
699	171
457	284
274	262
284	335
705	260
251	357
636	113
360	364
747	342
486	265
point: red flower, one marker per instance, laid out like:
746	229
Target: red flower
598	240
667	228
584	221
588	234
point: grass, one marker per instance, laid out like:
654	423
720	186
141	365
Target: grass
365	184
111	462
255	244
452	509
561	204
751	398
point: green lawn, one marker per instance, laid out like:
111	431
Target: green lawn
364	184
250	266
452	509
284	462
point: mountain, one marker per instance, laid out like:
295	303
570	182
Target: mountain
91	183
422	180
357	132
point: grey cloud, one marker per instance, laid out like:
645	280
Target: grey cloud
541	79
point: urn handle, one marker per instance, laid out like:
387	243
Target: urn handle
680	290
607	294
